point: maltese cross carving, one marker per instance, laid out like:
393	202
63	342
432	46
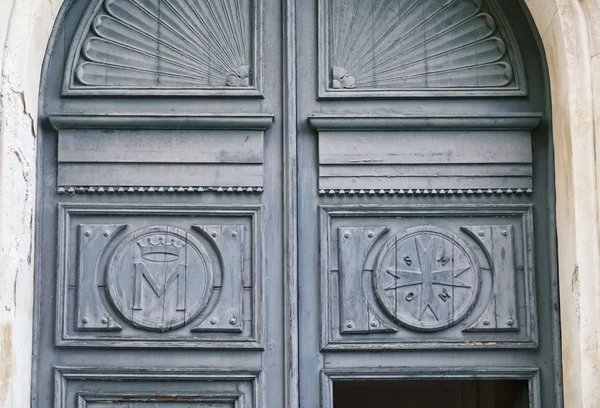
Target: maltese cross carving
426	279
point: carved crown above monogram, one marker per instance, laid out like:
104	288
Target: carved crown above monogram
164	46
160	278
411	45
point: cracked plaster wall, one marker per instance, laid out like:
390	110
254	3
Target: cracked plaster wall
25	26
571	37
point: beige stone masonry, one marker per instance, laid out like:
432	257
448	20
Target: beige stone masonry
570	31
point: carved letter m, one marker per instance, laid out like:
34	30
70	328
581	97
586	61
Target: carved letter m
171	276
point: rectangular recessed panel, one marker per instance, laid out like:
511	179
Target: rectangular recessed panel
160	146
431	159
155	388
423	170
152	174
153	151
159	276
431	182
414	147
158	401
464	275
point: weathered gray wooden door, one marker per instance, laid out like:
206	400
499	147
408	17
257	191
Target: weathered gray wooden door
425	200
245	203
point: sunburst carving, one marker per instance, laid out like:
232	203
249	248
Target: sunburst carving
166	44
416	44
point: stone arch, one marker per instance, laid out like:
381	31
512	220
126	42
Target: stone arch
572	44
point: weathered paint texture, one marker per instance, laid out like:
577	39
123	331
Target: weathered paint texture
571	37
25	26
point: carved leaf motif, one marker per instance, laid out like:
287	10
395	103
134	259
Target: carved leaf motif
168	44
397	44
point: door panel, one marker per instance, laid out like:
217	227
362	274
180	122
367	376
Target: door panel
159	196
417	277
425	201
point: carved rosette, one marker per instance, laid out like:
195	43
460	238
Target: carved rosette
160	278
426	279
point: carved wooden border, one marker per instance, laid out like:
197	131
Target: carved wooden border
531	374
62	375
70	89
290	208
415	210
513	50
84	398
65	210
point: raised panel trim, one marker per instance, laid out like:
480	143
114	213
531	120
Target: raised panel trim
92	241
428	192
525	211
232	158
154	121
66	210
84	398
229	239
356	315
471	153
531	374
497	242
457	121
71	190
63	374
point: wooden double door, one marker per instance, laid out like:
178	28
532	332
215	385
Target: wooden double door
261	204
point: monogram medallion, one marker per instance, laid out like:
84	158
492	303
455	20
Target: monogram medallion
426	279
160	278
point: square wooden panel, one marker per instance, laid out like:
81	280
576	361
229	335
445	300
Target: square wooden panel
427	277
159	276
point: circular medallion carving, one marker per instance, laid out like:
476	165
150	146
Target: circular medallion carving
160	278
426	279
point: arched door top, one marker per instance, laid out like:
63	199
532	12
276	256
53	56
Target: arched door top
162	47
382	49
417	48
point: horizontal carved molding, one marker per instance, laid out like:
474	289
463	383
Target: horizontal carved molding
123	387
504	121
156	189
135	373
200	122
191	400
423	373
431	153
149	153
432	192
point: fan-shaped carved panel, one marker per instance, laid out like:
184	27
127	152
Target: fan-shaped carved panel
417	47
145	47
